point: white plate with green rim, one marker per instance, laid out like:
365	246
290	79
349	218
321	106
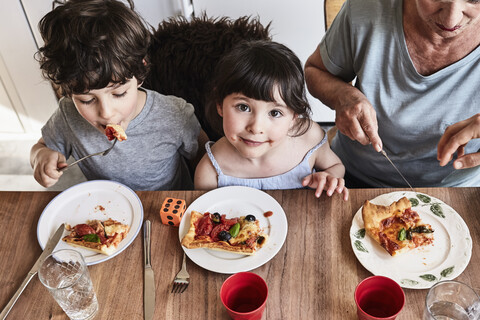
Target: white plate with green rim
422	267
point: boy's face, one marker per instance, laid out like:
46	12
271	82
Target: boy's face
115	104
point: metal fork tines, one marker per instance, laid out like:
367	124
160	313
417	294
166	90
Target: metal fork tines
182	279
102	153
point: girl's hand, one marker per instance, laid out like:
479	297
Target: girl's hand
454	140
45	166
324	181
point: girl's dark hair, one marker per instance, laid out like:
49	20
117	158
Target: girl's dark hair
91	43
255	68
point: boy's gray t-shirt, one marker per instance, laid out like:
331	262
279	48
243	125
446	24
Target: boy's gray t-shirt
366	41
152	157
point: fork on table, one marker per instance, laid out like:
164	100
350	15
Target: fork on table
182	279
102	153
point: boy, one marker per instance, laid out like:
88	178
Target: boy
96	52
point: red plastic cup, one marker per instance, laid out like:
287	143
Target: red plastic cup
244	295
379	297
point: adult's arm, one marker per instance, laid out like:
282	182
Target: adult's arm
355	116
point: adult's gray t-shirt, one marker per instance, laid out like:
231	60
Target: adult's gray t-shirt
366	41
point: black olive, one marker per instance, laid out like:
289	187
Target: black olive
261	240
224	235
250	218
216	217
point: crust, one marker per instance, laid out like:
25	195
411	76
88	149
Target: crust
190	242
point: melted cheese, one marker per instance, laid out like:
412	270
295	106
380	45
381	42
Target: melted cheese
247	230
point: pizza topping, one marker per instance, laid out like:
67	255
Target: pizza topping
402	234
92	237
224	235
204	226
250	217
234	230
83	229
216	217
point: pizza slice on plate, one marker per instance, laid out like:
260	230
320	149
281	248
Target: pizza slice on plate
113	131
397	228
241	235
99	236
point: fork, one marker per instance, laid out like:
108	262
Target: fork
102	153
182	279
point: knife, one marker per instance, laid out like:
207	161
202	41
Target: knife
51	244
149	280
401	175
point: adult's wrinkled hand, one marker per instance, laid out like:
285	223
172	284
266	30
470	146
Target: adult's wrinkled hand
356	118
455	139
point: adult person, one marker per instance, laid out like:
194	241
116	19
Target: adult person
415	65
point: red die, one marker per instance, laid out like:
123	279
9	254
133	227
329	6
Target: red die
172	211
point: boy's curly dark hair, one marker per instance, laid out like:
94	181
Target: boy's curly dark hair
91	43
255	69
184	55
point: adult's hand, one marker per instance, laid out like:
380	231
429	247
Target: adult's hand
455	139
356	118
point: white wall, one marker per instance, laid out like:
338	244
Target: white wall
298	24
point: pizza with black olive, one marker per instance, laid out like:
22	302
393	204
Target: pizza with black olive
99	236
241	235
397	228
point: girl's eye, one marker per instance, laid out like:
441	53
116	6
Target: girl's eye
276	113
243	107
120	95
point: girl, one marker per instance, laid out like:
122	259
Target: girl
269	140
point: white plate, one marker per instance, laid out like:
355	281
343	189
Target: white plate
96	199
235	202
423	267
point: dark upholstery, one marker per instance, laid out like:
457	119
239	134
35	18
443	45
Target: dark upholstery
184	54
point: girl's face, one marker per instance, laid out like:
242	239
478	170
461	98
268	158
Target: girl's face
115	104
449	18
255	127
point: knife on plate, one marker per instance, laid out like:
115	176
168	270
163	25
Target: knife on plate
148	280
401	175
51	244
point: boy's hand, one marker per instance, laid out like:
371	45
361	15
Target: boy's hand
324	181
45	163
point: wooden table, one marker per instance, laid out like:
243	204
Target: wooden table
313	276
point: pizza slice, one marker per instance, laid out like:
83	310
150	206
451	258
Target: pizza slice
397	228
99	236
241	235
113	131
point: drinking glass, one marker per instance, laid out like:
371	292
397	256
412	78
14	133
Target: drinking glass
65	274
451	300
